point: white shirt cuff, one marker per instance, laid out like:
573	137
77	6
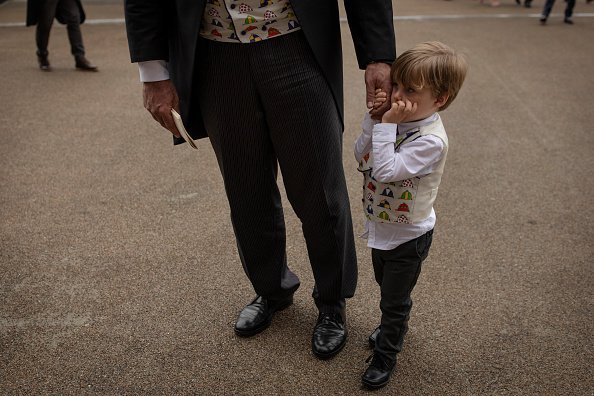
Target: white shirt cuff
155	70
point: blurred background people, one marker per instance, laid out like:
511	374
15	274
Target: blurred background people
549	6
68	12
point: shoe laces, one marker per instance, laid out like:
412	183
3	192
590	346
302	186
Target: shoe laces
330	318
377	361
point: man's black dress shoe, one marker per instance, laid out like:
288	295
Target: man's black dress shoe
329	335
378	373
257	315
43	62
83	63
373	337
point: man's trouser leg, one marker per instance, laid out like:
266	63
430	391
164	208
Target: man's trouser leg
265	103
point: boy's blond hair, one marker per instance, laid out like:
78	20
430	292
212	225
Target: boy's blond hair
431	64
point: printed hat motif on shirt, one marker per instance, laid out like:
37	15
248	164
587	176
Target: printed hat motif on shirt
273	32
215	32
371	186
370	197
369	209
214	2
269	15
250	19
366	157
403	208
250	28
385	204
255	38
216	22
406	195
407	183
293	25
384	216
403	219
387	193
265	3
244	8
214	13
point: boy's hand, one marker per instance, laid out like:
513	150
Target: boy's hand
379	100
399	112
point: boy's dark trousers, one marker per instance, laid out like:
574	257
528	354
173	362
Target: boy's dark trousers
396	272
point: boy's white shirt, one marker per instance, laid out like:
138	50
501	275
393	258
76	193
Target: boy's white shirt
416	158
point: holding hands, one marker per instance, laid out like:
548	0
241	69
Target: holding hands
401	110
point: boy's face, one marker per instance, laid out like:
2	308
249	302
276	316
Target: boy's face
427	104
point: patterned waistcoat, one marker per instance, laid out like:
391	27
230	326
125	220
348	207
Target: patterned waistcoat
407	201
247	21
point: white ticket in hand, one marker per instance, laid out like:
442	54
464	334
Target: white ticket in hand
181	129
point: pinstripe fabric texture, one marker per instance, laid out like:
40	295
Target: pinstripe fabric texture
267	105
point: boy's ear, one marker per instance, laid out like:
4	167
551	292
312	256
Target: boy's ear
442	99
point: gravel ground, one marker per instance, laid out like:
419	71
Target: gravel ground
118	270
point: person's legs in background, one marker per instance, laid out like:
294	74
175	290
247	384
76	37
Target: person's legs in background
70	12
45	21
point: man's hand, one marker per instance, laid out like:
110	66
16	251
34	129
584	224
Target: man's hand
159	98
400	111
377	76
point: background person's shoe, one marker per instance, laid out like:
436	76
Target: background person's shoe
543	20
43	62
568	21
257	315
82	63
329	335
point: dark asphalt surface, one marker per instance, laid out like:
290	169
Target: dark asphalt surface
118	270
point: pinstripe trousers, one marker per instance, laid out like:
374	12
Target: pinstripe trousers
267	105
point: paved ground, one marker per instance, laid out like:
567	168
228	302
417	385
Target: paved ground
118	274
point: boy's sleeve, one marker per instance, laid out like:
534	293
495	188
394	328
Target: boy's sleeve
363	142
416	158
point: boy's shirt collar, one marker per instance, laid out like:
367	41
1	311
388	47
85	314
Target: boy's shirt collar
407	126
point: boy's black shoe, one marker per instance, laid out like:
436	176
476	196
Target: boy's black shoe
379	371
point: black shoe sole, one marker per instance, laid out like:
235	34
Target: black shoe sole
265	324
373	386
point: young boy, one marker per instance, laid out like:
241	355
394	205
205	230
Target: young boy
402	159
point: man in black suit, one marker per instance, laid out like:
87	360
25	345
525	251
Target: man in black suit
68	12
263	80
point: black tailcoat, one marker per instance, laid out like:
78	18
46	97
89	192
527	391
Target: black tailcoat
169	30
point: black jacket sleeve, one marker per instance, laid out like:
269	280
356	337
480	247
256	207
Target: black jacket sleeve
372	28
147	24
